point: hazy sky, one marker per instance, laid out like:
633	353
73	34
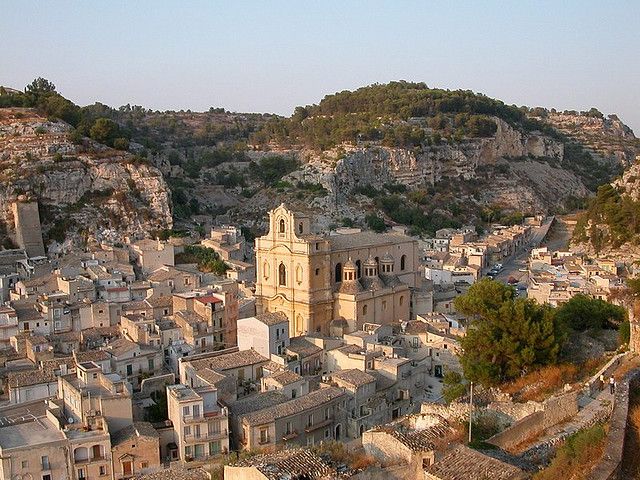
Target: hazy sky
269	56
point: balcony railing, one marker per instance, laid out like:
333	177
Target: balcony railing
98	458
203	417
316	426
203	436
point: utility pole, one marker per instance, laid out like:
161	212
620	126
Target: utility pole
470	410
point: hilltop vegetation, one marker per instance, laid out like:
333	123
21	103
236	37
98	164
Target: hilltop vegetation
380	112
430	158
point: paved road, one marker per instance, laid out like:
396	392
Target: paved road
514	265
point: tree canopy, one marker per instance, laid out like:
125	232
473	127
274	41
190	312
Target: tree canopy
584	313
507	336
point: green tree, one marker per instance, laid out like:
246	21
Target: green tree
40	85
104	130
484	297
507	336
453	388
375	223
583	313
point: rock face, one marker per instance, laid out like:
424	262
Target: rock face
438	162
609	137
105	193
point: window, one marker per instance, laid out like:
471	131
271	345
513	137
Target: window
310	420
151	365
327	433
45	462
282	275
187	430
264	435
365	308
103	470
81	474
403	262
338	272
188	452
287	429
358	268
196	410
144	464
186	410
317	272
214	448
317	246
46	477
384	305
282	228
300	227
25	464
326	413
299	274
401	300
129	370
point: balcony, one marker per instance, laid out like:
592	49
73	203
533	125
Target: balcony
289	436
97	458
316	426
207	416
206	436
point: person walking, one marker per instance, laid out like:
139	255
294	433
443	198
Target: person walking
612	385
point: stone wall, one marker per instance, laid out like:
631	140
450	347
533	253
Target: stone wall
593	386
553	411
609	468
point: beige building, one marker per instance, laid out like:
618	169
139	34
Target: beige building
88	393
313	418
351	278
152	254
135	450
200	425
38	442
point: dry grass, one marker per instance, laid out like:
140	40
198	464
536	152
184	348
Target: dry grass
578	455
540	384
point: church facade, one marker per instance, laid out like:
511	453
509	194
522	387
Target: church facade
324	283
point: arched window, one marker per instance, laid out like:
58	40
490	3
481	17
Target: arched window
365	309
359	267
300	227
282	275
266	270
401	300
403	261
338	272
282	226
299	274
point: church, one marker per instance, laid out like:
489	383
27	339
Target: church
333	284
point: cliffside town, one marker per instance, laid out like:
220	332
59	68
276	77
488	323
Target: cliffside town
366	290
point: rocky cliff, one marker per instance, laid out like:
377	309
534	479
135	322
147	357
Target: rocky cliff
93	191
512	169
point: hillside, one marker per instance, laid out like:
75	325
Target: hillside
398	153
87	191
610	226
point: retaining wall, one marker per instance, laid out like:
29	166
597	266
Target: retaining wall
554	410
609	468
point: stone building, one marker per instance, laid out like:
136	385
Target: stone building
28	229
313	418
351	278
200	425
135	450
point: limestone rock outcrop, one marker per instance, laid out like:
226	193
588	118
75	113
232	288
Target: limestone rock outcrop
101	191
